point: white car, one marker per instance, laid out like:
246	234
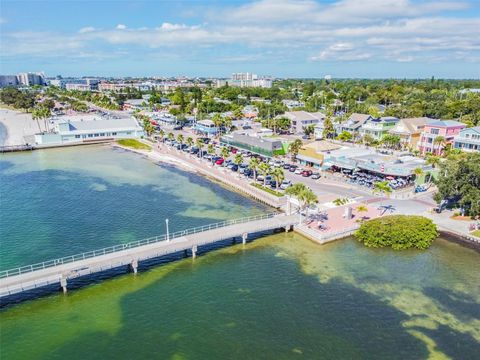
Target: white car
299	171
285	184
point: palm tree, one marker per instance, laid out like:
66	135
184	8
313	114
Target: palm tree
417	172
382	188
238	159
225	152
340	201
199	143
189	141
362	209
211	149
294	148
438	142
253	165
264	170
180	138
170	136
162	134
432	160
295	190
307	198
36	116
278	175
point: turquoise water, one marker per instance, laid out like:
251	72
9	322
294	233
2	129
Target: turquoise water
279	297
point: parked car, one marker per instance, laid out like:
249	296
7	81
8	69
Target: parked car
307	173
219	161
234	150
298	171
285	184
273	184
315	175
286	166
234	167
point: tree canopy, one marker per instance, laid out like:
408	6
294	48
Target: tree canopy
459	178
400	232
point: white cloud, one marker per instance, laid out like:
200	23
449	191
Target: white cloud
86	30
345	30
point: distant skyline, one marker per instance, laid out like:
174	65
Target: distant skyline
283	38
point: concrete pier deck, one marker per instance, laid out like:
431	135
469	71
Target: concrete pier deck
59	271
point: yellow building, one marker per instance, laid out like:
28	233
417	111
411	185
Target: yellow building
313	154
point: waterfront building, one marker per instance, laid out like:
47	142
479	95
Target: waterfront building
84	132
468	139
299	120
254	141
409	130
60	83
433	132
378	128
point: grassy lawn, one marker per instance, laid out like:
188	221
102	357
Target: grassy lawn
476	233
134	144
268	190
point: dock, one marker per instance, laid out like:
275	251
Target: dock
60	271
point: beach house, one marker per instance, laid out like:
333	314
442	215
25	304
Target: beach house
436	134
468	139
409	130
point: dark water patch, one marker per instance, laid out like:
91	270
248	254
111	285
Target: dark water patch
461	305
454	344
227	308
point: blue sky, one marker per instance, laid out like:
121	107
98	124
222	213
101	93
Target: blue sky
283	38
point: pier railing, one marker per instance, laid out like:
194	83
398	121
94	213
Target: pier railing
130	245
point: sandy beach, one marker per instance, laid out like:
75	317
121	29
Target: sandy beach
17	125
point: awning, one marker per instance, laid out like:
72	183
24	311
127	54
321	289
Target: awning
309	159
344	166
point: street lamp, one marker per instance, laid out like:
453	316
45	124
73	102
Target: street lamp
168	235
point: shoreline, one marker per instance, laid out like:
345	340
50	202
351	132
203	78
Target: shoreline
253	193
16	125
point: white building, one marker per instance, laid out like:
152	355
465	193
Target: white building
301	119
8	80
30	79
84	132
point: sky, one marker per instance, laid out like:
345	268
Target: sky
281	38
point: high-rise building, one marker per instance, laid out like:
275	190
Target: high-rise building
30	79
8	80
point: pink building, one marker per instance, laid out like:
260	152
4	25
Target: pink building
445	129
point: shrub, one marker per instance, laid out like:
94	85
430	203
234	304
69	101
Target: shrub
134	144
400	232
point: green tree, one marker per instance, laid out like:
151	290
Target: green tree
328	129
180	138
225	152
278	175
362	209
344	136
438	144
340	201
264	170
253	165
189	141
294	148
238	158
200	144
170	136
382	188
459	178
433	160
399	232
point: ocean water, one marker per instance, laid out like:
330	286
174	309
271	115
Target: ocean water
278	297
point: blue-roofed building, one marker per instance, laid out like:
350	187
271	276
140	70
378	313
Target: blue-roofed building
468	139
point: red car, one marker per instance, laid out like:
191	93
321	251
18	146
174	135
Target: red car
306	173
219	161
234	151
